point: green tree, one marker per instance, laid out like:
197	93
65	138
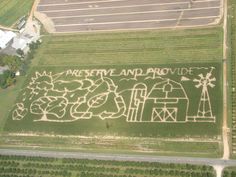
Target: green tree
20	52
226	174
7	79
13	62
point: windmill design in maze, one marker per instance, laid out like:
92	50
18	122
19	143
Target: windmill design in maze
204	107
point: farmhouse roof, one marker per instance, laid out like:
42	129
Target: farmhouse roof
167	89
5	38
20	43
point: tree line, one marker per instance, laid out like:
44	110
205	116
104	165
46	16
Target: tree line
17	63
56	167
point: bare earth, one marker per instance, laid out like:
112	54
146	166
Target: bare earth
103	15
225	129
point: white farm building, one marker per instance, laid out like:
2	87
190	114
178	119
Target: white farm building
5	38
21	42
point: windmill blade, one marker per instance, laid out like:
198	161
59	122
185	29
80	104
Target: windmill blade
198	85
208	75
201	76
196	80
211	85
212	79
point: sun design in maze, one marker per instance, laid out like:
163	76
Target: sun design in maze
40	84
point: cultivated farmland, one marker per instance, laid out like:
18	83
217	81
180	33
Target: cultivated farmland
126	101
87	92
122	104
158	47
11	10
233	73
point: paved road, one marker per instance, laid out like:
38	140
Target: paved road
97	15
120	157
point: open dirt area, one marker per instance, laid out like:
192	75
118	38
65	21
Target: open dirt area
103	15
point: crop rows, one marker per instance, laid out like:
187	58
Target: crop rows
21	166
11	10
188	46
233	79
229	172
